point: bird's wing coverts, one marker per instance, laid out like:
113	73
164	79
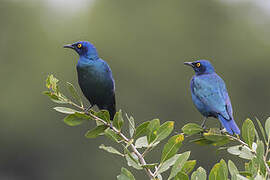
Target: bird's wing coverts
212	92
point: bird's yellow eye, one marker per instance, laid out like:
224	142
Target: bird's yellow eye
79	45
198	65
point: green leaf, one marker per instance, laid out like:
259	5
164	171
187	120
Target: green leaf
181	176
233	170
261	129
165	130
110	150
248	132
179	163
167	164
267	127
131	125
172	146
189	166
125	175
192	128
245	173
75	119
223	170
202	141
103	114
93	133
152	129
150	166
200	174
65	110
259	160
214	172
112	135
54	97
74	93
118	120
142	130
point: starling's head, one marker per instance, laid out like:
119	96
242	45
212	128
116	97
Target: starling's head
201	67
84	48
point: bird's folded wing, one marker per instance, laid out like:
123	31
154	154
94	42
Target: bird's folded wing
212	92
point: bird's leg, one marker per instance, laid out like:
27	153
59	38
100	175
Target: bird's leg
88	108
203	123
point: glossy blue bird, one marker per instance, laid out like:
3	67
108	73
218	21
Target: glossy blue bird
210	96
94	77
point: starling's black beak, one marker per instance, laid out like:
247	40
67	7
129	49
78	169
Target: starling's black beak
189	64
69	46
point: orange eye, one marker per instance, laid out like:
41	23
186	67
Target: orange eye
198	65
79	46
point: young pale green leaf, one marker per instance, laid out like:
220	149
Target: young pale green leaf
261	129
167	164
192	128
131	125
118	120
165	130
93	133
142	130
172	146
179	163
125	175
267	127
51	83
181	176
189	166
112	135
259	177
241	151
65	110
75	119
74	93
110	150
152	129
200	174
248	132
233	170
132	160
240	177
141	142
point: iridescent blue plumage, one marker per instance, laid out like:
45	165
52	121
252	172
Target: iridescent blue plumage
95	77
210	96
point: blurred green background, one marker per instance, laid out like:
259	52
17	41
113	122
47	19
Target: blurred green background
145	43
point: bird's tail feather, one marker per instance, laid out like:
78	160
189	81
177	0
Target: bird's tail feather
230	126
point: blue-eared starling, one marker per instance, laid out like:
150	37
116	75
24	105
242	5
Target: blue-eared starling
94	77
210	96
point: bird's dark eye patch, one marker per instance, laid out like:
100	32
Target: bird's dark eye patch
79	45
198	65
